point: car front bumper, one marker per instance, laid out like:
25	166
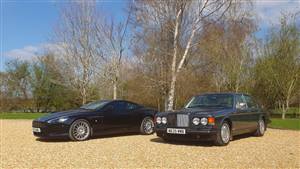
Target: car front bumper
48	130
190	134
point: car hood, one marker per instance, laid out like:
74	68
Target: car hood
211	111
62	114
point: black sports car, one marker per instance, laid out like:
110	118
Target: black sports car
100	117
216	116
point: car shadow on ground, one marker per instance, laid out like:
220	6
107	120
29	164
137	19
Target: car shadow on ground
58	140
187	143
198	143
53	140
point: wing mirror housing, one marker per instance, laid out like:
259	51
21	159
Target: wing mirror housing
241	106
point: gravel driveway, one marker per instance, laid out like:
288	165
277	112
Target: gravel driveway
20	149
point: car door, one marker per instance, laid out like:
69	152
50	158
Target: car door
134	114
116	116
252	111
239	116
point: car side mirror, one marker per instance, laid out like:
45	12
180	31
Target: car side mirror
241	106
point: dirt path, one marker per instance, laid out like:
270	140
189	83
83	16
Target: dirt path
20	149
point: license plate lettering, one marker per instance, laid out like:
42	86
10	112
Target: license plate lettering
175	131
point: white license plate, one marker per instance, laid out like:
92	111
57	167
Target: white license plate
175	131
37	130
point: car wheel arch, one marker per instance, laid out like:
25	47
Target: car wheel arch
227	119
148	115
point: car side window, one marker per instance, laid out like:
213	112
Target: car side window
240	102
240	99
119	107
250	103
131	106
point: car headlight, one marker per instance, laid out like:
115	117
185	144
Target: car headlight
204	121
158	120
58	120
196	121
164	120
63	119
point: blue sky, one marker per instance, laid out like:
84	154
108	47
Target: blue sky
26	26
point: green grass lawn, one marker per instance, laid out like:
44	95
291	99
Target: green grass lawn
21	115
293	124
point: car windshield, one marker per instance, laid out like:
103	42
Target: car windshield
94	105
211	100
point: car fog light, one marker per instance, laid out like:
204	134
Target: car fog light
204	121
196	121
158	120
164	120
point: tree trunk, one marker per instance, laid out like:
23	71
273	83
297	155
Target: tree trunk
287	106
283	111
83	95
283	115
114	90
172	92
174	60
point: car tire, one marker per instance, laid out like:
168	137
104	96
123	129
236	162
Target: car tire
147	126
261	128
223	135
80	130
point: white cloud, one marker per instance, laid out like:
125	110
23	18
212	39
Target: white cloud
26	53
269	11
30	53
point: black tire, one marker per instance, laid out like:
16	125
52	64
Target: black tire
261	128
147	126
80	130
223	136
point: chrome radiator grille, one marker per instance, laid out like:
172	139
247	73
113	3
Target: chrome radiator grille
182	120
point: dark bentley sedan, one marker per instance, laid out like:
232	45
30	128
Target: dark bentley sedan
216	117
100	117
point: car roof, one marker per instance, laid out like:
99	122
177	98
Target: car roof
223	93
119	100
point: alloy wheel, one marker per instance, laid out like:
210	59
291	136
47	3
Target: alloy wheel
148	126
225	133
262	126
80	130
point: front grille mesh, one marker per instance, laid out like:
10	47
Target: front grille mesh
38	124
182	120
172	119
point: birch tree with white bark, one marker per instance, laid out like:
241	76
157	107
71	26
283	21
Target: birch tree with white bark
188	19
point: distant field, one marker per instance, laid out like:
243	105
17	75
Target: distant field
21	115
293	124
